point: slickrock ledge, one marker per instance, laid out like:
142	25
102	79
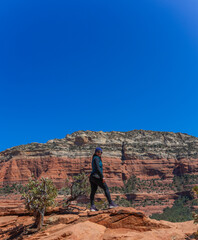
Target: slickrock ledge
125	217
118	223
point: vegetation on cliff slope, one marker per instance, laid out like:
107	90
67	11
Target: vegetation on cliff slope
13	188
137	185
181	211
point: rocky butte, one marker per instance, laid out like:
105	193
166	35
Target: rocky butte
149	155
146	154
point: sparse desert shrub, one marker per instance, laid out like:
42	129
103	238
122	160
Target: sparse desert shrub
14	188
38	196
122	202
78	187
116	189
131	185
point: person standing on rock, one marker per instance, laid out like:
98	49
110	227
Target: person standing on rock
97	179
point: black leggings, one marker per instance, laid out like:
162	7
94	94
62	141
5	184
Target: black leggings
95	182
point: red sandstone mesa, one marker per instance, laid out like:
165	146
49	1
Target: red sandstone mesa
146	154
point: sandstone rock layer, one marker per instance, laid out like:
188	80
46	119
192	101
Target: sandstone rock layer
146	154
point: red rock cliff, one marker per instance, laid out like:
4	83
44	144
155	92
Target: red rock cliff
146	154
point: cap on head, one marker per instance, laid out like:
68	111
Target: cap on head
98	149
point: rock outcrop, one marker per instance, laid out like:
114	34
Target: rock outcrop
119	223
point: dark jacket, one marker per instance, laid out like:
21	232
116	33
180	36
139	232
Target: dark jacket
97	169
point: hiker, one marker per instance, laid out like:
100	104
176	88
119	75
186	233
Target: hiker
97	179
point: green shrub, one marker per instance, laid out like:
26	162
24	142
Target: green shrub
131	185
38	196
122	202
79	186
179	212
14	188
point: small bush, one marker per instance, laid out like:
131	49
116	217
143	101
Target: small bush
122	202
78	187
38	196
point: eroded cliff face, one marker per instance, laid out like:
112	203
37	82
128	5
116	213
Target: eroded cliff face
146	154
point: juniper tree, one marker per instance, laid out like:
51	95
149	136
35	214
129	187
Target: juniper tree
79	186
39	195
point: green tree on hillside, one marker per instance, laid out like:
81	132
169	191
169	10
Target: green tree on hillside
131	185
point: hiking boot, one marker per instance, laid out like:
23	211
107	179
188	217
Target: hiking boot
93	208
112	205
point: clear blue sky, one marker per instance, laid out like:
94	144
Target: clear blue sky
97	65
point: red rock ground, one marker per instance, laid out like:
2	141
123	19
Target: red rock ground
116	224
